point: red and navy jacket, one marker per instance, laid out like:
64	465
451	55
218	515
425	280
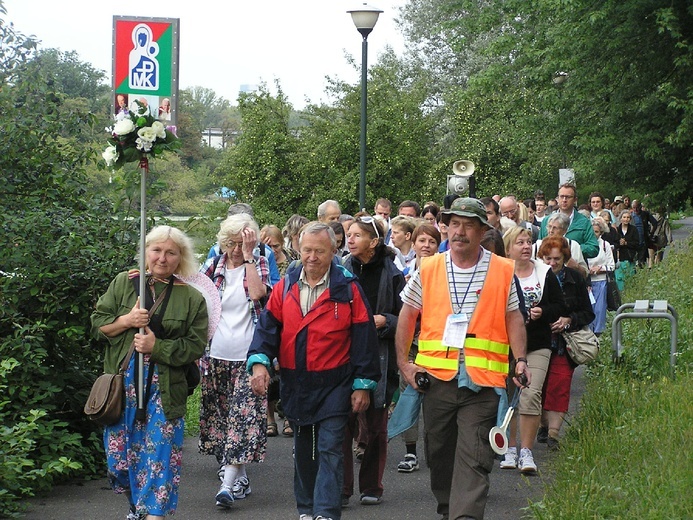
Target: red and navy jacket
324	355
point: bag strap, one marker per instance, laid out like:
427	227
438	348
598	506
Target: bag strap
126	361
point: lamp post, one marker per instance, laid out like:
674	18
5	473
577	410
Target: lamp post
364	19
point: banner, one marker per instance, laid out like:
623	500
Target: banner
145	66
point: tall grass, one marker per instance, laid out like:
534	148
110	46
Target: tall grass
629	452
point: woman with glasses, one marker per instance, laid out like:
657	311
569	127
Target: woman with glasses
233	420
373	264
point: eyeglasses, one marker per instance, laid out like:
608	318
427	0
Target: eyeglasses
231	245
566	197
371	221
509	212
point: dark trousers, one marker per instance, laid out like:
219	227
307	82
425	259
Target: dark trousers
457	422
374	457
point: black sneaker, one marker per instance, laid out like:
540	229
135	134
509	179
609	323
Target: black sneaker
542	434
552	444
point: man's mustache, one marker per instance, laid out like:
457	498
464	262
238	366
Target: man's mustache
464	240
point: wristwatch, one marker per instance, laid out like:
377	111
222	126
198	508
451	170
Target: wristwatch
524	360
253	261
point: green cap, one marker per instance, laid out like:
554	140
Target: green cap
466	207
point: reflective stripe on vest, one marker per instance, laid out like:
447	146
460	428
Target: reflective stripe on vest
486	346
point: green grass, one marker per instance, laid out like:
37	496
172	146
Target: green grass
629	452
192	414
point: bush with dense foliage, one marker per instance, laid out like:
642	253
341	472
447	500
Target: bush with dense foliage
59	249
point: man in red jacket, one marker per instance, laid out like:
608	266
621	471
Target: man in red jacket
318	325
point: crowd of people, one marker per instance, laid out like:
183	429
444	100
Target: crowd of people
330	322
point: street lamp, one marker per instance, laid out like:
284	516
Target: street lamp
364	19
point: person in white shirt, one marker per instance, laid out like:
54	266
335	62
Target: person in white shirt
598	267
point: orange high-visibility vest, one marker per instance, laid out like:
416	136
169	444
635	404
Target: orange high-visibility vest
486	346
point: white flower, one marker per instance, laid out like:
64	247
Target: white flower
123	127
110	155
160	129
147	133
143	144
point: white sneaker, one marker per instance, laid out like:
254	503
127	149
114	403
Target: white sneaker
509	459
526	461
305	517
241	488
408	464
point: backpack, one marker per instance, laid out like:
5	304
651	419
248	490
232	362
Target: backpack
659	235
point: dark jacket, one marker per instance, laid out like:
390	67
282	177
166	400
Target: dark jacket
630	250
390	282
552	306
577	302
322	354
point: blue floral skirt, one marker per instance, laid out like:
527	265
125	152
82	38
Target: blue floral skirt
144	457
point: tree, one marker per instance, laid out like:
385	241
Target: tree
400	161
261	167
623	116
59	249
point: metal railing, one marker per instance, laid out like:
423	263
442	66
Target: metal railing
645	309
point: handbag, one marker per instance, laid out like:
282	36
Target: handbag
582	345
106	399
613	295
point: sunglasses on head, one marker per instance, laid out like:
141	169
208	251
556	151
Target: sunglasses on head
371	221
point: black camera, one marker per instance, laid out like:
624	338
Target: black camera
422	380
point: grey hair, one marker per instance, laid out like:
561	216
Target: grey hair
158	234
315	228
234	225
322	208
599	221
561	219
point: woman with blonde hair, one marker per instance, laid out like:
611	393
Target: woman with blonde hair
544	304
175	335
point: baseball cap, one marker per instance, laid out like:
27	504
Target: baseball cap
618	198
466	207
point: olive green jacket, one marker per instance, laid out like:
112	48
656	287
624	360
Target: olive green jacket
185	327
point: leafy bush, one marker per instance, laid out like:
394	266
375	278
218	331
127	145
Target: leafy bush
59	249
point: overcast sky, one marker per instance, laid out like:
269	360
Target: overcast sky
225	44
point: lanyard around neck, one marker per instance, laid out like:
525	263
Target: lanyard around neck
469	285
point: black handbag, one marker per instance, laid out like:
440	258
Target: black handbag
613	295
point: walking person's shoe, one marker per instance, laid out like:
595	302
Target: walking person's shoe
305	517
370	500
408	464
220	473
509	459
224	497
552	444
241	488
526	461
542	434
320	517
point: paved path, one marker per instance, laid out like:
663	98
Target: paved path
407	496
